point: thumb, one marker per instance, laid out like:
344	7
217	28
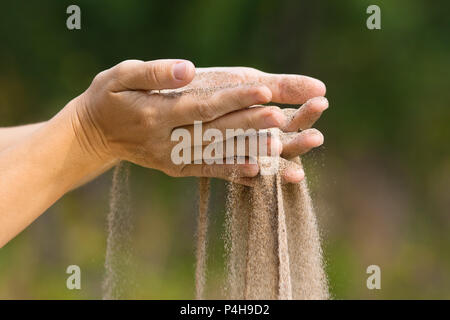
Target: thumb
153	75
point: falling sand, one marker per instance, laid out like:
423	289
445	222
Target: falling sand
271	238
118	248
202	223
272	241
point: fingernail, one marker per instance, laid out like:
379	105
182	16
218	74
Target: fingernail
180	70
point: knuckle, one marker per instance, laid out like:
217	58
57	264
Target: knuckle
208	170
153	74
175	172
262	94
249	120
122	68
249	69
145	118
205	170
100	78
184	170
144	122
238	100
275	108
205	111
247	73
128	62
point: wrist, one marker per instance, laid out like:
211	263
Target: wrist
89	138
76	160
74	139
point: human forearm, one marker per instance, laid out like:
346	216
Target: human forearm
11	135
37	170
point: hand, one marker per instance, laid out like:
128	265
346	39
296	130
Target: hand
286	89
128	113
122	115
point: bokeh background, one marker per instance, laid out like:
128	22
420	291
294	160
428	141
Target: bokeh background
380	183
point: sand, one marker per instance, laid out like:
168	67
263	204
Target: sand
118	244
279	255
272	241
202	228
308	276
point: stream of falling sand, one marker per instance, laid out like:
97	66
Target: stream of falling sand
272	242
283	255
119	228
202	223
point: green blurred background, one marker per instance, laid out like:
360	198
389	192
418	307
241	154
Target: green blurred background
380	183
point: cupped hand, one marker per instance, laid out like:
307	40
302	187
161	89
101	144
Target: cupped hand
285	89
130	111
125	116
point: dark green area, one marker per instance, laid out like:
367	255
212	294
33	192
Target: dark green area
381	182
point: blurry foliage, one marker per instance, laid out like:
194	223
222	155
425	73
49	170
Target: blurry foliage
380	183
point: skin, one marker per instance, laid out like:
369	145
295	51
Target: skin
285	89
129	112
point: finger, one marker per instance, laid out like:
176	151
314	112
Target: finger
151	75
230	172
292	89
256	118
306	116
250	182
186	108
285	88
290	171
251	145
293	173
302	142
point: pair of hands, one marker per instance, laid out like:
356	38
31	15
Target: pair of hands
129	113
